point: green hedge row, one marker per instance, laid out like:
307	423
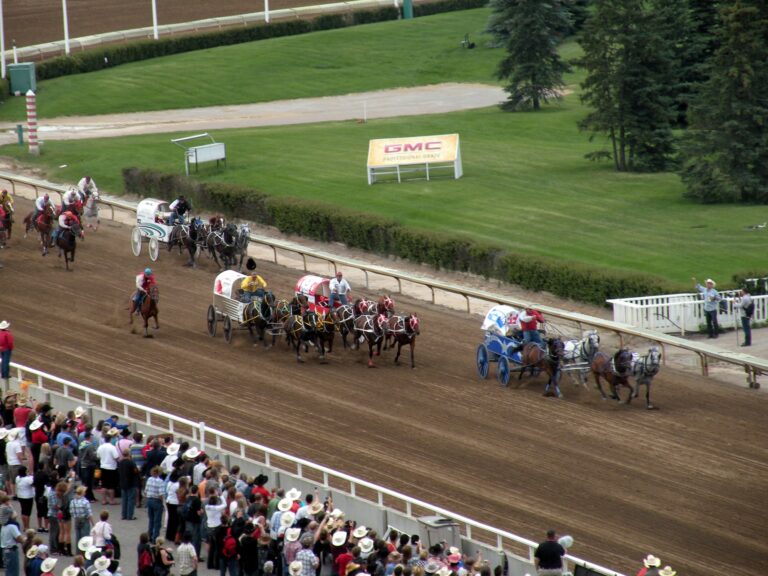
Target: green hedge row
384	236
99	59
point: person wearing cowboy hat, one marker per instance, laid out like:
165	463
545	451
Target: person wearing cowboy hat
306	558
6	349
34	560
101	566
171	455
16	456
651	565
667	571
712	300
73	571
47	566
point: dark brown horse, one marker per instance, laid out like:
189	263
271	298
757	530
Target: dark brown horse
66	240
43	224
260	316
615	371
148	309
373	329
326	331
344	317
363	306
302	330
403	330
549	360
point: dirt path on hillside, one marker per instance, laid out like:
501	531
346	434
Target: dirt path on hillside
397	102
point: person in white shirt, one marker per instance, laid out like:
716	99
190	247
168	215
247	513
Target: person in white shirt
70	197
14	453
340	290
108	457
102	530
87	186
25	492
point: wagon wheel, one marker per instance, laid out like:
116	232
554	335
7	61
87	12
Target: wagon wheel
227	329
136	241
482	361
154	249
211	321
502	373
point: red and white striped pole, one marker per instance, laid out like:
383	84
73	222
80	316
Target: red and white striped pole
34	148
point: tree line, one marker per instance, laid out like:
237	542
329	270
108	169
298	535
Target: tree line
671	84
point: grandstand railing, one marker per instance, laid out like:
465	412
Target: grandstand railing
208	438
752	366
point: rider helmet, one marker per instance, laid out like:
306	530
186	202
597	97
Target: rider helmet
147	271
46	197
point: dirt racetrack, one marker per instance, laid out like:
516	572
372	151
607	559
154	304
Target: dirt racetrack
687	482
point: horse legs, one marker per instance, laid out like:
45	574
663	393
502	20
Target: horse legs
157	324
298	350
599	386
413	349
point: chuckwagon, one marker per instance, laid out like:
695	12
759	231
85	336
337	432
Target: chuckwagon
499	344
152	217
317	291
227	307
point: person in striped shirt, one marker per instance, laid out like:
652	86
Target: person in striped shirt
154	492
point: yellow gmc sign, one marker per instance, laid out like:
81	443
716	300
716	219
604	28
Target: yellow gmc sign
417	150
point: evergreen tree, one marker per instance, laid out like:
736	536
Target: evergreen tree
726	147
531	31
629	67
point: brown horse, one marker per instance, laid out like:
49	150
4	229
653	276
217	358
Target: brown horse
43	224
147	309
260	315
615	371
363	306
372	328
302	330
403	330
66	240
326	331
344	317
548	360
385	305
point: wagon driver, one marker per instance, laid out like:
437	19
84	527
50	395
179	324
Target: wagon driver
179	207
144	282
340	290
252	285
529	324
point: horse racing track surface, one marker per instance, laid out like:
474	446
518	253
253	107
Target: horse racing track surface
687	482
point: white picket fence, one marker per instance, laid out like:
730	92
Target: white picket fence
213	440
680	313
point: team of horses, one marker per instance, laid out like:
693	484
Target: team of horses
226	243
44	224
615	370
365	321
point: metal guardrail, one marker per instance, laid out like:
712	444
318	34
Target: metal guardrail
205	436
753	366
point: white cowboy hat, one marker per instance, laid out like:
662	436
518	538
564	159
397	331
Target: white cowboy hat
709	281
48	564
4	325
360	532
36	424
295	568
32	552
667	571
316	507
71	571
84	543
173	449
366	545
651	561
102	563
285	504
444	571
113	431
337	513
566	541
454	550
287	519
13	433
3	433
339	538
293	494
91	551
79	411
292	534
192	453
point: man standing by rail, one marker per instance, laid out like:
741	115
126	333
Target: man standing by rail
712	300
549	556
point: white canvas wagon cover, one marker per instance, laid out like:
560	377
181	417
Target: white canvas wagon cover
227	284
501	319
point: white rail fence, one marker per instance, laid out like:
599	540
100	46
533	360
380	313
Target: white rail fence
680	313
706	353
58	48
67	394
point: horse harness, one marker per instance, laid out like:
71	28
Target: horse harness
373	322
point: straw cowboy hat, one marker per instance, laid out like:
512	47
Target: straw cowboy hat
360	532
444	571
84	543
710	281
4	325
113	431
36	424
339	538
337	513
13	434
651	561
295	568
351	567
79	411
366	545
192	453
48	564
285	504
71	571
293	494
173	449
292	534
667	571
102	563
32	552
287	519
91	551
315	508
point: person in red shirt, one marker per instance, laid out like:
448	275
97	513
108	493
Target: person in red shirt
6	349
529	324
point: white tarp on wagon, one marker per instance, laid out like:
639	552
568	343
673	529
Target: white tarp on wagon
228	284
502	320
